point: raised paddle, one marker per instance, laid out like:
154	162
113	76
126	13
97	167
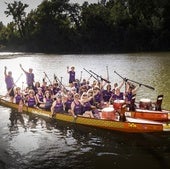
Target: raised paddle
60	81
81	76
91	75
18	78
47	77
98	76
107	70
126	79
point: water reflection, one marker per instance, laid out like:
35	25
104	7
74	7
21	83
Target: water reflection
41	143
16	119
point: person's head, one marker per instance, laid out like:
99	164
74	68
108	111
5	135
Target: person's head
72	68
73	90
55	84
84	88
58	96
117	90
76	96
37	84
108	86
18	89
96	89
115	85
30	70
31	92
39	90
130	89
84	96
94	83
69	95
90	92
47	93
9	73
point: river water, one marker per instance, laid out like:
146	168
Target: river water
34	142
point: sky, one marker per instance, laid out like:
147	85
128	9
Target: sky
32	5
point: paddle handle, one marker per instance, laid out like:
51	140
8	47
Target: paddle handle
119	75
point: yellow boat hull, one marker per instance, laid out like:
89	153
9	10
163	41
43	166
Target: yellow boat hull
127	126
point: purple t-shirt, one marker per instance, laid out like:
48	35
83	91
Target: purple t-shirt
9	82
71	76
30	79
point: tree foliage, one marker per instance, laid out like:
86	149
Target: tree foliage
106	26
17	10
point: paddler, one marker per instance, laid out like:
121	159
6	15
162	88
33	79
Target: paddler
29	77
72	74
9	83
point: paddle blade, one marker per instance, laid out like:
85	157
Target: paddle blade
150	87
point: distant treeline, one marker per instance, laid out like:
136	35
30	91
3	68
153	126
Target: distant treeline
109	26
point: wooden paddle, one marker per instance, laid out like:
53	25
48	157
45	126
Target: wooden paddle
141	84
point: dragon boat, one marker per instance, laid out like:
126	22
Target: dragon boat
131	125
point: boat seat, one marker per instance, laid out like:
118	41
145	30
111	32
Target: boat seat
158	103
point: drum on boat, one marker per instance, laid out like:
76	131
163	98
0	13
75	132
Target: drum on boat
108	113
118	104
145	104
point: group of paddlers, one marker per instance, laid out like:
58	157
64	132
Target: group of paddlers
80	98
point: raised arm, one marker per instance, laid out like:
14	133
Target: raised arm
23	69
5	68
123	82
68	69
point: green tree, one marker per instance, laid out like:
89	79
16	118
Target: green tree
2	35
55	22
17	10
106	26
95	27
